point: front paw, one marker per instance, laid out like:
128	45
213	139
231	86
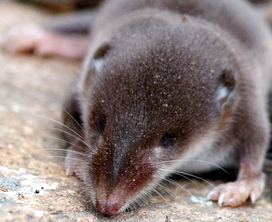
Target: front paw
26	39
42	42
236	193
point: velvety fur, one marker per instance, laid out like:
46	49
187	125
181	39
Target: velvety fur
167	83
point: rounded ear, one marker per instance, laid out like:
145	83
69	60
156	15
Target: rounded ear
226	88
96	63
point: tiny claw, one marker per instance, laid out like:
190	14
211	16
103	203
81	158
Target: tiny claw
210	195
253	197
221	200
68	171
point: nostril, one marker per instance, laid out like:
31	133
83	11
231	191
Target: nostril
107	208
113	209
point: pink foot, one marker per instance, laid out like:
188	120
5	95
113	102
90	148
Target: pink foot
236	193
44	43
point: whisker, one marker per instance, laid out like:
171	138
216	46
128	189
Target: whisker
143	198
157	192
165	188
194	176
202	161
138	201
66	132
63	157
213	164
61	124
187	178
68	142
67	151
175	183
180	173
75	121
70	134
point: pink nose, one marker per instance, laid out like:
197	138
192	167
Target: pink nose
107	208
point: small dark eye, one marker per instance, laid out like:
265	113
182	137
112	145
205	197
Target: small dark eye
168	139
101	124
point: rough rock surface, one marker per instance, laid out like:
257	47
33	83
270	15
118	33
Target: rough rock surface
33	185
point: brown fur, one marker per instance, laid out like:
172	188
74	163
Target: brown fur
172	81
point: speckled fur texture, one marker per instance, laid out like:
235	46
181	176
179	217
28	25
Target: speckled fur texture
170	86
